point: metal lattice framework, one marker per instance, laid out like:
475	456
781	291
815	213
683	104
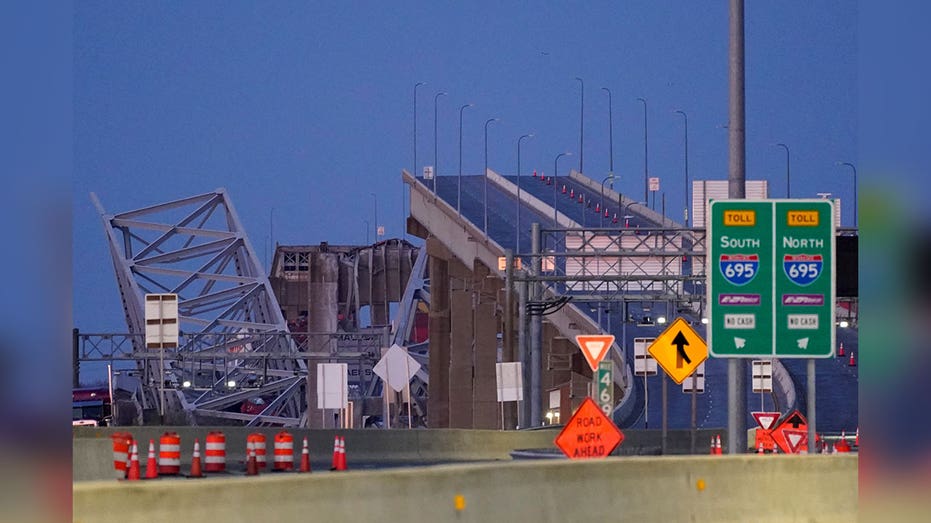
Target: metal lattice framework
197	248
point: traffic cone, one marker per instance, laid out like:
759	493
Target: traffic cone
717	446
572	193
614	220
252	468
606	212
759	448
856	439
534	173
305	458
564	188
196	471
335	464
581	199
840	350
342	454
853	360
133	473
151	465
597	207
712	452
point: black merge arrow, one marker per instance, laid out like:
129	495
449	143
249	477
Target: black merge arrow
680	342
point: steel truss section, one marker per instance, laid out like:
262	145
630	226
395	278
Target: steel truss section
197	248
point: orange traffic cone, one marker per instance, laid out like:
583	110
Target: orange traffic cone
614	220
717	446
342	454
840	350
195	461
335	464
759	448
534	173
305	458
853	360
856	439
252	468
712	452
564	188
133	473
151	465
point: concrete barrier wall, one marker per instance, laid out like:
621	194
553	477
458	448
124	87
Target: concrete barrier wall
697	488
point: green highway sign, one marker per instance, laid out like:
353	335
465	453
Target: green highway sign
605	392
771	286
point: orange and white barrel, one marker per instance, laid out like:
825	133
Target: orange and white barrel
258	443
169	454
215	452
121	444
284	451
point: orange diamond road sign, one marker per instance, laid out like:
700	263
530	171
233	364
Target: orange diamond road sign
594	347
679	350
589	433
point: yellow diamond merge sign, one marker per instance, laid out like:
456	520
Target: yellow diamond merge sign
679	350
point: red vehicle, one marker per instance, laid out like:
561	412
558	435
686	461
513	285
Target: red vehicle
91	406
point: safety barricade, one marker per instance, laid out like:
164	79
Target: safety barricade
121	444
169	454
284	451
258	443
215	452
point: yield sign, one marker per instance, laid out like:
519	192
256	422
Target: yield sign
679	350
589	433
796	439
594	347
766	420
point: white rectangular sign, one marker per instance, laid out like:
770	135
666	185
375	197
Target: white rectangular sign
510	381
762	375
644	364
332	385
161	321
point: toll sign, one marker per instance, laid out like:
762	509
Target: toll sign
589	433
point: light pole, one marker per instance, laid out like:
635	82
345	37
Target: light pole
581	122
852	166
610	137
600	215
686	122
629	205
517	242
418	84
786	147
366	222
646	168
436	168
459	184
555	174
375	199
485	176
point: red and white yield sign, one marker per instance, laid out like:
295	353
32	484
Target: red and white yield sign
594	347
589	433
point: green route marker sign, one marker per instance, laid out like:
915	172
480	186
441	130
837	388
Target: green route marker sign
771	286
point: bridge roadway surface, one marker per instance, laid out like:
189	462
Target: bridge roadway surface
836	381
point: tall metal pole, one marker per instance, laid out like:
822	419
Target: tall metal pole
555	174
459	183
413	171
610	176
536	329
852	166
375	199
581	122
436	166
418	84
646	156
522	353
517	227
788	190
736	189
685	120
610	135
485	176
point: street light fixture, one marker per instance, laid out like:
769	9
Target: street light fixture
581	122
459	184
786	147
600	215
485	176
436	167
555	174
628	206
646	158
610	136
686	122
517	229
854	168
